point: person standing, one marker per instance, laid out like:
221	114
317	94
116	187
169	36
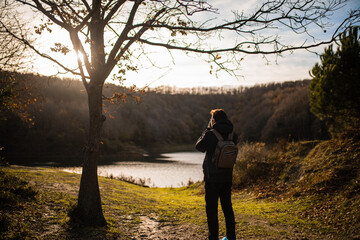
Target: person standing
218	181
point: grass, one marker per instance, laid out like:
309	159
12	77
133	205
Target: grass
303	190
178	212
123	205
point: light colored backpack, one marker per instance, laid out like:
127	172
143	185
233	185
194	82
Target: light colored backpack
226	151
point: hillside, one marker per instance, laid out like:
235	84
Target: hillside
326	173
164	116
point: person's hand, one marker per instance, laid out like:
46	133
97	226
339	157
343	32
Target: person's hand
210	124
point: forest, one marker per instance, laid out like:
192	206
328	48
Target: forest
151	119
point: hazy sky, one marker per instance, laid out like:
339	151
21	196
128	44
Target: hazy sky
185	71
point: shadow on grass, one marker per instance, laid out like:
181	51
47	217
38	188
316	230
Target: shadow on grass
77	229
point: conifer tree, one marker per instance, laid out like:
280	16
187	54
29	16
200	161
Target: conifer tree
335	87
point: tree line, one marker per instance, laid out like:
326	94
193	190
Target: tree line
266	113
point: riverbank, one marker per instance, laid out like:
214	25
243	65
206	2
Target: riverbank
174	169
135	212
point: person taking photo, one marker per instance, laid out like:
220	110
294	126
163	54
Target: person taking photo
218	181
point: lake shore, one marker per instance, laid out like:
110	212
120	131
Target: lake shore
173	169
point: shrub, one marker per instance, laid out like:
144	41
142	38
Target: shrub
270	166
256	164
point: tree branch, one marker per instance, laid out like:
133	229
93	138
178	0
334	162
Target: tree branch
82	74
234	49
86	5
72	9
78	47
111	62
114	10
40	8
296	15
38	52
261	16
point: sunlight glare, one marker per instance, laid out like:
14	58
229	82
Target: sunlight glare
48	41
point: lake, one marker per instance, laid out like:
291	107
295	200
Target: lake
167	170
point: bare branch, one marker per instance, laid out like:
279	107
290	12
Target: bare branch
196	6
12	51
114	56
72	9
86	5
78	47
116	8
50	15
171	18
22	39
82	74
236	48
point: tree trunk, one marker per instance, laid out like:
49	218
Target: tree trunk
89	200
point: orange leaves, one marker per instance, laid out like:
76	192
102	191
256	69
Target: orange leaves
107	113
118	96
131	68
137	99
179	25
182	32
60	48
215	58
39	29
182	23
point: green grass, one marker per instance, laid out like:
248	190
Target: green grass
46	214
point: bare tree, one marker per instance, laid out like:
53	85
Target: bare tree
15	96
13	52
113	32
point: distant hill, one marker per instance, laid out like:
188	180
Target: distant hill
164	115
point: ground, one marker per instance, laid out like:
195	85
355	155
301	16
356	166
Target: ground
135	212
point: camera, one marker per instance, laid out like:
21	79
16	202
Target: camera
210	124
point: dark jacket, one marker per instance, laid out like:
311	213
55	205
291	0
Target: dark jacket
207	143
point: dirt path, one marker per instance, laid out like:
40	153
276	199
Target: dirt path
150	228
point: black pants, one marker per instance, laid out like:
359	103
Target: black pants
214	191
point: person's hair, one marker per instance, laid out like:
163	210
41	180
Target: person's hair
218	114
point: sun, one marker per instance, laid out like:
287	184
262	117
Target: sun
51	44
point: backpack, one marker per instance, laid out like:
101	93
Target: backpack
225	152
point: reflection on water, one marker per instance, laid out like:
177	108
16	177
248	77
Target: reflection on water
169	170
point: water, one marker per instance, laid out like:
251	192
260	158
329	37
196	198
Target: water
168	170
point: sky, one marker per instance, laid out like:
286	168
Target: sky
185	71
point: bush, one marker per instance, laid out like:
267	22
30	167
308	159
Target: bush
256	164
274	166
